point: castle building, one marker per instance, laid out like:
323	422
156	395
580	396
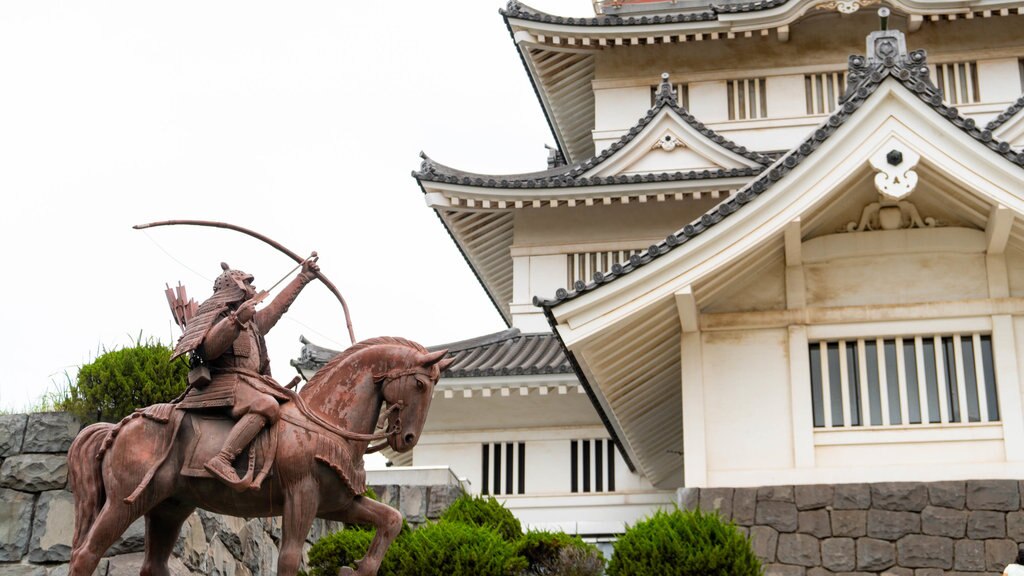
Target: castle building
778	244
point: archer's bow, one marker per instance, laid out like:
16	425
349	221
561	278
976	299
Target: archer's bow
258	236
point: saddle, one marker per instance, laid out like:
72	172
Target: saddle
206	434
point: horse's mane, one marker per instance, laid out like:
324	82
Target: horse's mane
332	365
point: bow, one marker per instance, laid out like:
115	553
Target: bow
258	236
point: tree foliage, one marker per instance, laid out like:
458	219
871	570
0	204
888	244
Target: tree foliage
683	543
486	512
119	381
559	554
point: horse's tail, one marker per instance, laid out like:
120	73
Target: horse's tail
85	472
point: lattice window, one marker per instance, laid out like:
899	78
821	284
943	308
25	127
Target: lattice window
823	91
592	466
958	82
504	468
682	95
582	265
747	99
903	381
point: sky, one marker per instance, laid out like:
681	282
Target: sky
299	120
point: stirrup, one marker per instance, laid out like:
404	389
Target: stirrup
225	472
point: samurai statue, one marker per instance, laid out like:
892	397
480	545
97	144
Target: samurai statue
230	369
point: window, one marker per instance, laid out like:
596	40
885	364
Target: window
747	99
592	466
903	381
1020	63
682	94
582	265
958	82
823	91
504	468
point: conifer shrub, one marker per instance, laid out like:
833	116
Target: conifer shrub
683	543
559	554
486	512
119	381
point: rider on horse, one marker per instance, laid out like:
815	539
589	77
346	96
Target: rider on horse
230	367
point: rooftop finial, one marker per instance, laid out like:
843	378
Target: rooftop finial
883	16
666	93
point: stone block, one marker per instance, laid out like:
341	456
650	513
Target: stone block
947	494
440	498
838	554
936	521
744	506
1001	495
819	571
101	569
775	494
779	515
784	570
814	522
133	539
919	551
259	551
717	500
851	523
223	530
799	549
52	527
15	524
23	570
12	432
131	564
985	524
192	546
221	562
851	497
34	472
50	432
929	572
874	555
764	541
387	494
889	525
688	498
1015	526
897	571
969	556
899	496
813	497
999	553
412	503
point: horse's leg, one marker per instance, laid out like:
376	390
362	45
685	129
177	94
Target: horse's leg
163	523
300	503
384	518
113	519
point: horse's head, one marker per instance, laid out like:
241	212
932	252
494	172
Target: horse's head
408	392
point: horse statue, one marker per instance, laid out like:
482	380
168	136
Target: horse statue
309	462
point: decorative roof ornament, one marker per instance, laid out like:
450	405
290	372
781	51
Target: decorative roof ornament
896	178
666	92
846	6
887	54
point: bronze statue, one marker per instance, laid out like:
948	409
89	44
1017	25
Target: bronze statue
305	450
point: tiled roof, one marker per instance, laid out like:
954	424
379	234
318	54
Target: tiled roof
864	77
1005	115
574	175
520	11
506	353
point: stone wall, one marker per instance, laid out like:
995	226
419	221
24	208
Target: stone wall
893	529
37	513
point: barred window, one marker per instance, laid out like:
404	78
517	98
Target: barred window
823	91
903	381
504	468
747	99
958	82
582	265
592	466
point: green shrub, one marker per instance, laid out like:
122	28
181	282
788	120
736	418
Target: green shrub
435	549
119	381
487	512
559	554
682	544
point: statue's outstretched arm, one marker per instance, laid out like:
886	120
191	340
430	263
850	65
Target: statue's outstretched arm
268	316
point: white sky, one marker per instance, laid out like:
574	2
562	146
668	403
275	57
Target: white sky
301	120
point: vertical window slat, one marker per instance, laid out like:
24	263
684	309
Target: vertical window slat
862	371
826	392
817	401
939	367
844	385
979	379
961	385
990	379
904	390
883	381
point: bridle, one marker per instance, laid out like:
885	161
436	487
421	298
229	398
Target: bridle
394	427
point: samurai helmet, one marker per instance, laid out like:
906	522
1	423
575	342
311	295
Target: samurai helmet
231	281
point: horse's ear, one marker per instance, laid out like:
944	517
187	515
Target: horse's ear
444	364
431	358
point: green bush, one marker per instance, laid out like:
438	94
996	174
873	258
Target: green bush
682	544
119	381
487	512
435	549
559	554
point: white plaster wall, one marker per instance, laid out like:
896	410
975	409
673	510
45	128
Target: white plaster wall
999	80
678	160
747	404
709	101
786	96
873	456
896	279
620	108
